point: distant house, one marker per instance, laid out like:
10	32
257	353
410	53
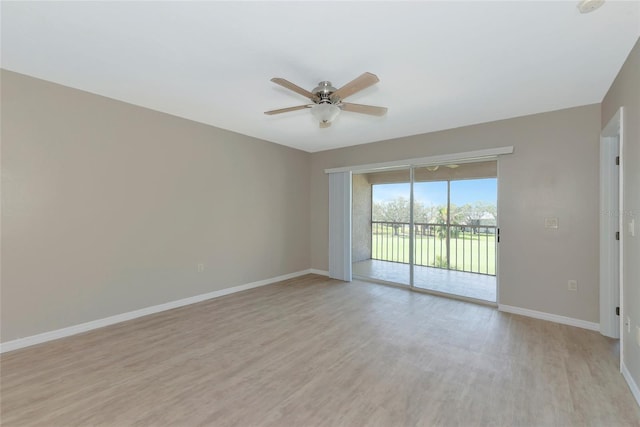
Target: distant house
486	220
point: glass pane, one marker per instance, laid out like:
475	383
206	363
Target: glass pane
381	233
474	200
473	231
455	249
430	219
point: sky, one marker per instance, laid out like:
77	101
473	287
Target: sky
435	193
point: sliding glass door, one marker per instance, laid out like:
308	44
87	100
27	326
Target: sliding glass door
432	228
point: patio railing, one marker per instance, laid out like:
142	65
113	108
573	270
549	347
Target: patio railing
470	248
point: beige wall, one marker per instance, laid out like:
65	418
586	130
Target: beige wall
625	92
108	207
553	172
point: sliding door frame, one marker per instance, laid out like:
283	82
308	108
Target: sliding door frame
463	157
412	237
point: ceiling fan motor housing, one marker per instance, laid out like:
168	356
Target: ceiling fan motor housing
323	91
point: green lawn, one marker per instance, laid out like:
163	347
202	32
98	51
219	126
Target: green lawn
469	252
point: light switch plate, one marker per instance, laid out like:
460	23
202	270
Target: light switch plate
632	227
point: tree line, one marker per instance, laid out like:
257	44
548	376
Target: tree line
398	210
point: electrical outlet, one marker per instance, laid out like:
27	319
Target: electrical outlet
200	268
628	324
572	285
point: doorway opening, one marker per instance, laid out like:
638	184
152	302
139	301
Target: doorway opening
611	230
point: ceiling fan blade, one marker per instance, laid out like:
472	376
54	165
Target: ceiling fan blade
286	110
297	89
364	109
355	85
324	125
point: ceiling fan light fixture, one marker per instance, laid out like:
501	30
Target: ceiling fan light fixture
325	112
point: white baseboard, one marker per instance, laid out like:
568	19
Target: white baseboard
632	384
319	272
100	323
550	317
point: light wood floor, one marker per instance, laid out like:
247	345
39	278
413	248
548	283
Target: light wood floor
313	351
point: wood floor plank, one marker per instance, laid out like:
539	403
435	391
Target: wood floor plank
312	351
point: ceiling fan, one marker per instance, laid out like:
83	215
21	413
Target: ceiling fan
327	100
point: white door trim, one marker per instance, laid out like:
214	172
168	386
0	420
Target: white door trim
611	208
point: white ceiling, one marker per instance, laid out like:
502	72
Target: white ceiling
441	64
